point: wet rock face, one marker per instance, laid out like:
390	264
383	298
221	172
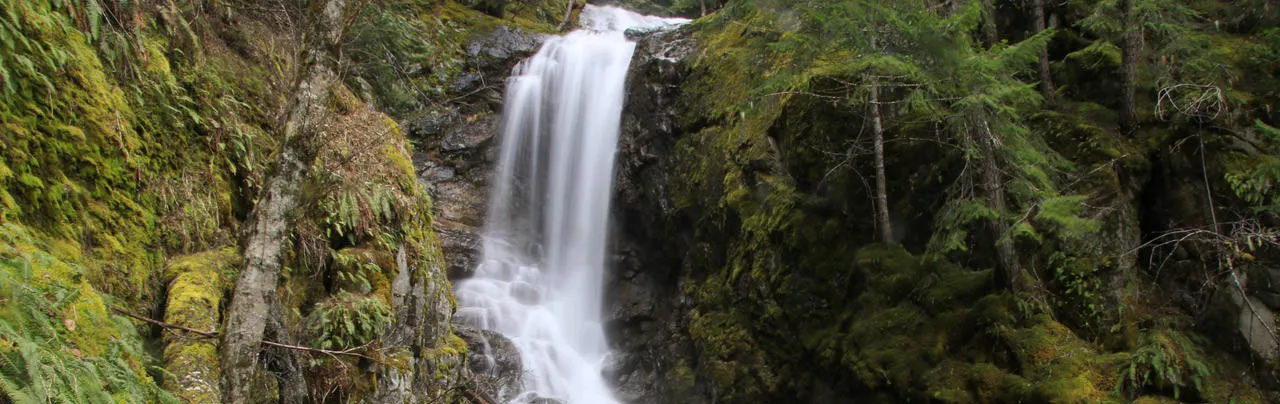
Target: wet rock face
453	158
494	363
504	44
455	143
647	313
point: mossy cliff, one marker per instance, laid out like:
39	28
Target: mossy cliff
749	270
136	138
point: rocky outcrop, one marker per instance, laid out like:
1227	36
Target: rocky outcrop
647	311
456	141
494	362
196	290
421	335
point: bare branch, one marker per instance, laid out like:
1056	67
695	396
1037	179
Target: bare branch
212	334
1205	102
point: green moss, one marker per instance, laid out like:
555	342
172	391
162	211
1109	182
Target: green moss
365	271
1064	368
68	124
542	18
197	284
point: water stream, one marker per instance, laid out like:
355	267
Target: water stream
541	277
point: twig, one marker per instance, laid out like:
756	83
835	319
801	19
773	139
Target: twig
349	351
1252	310
210	334
475	398
206	334
1210	103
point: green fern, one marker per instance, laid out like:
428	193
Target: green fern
1165	360
40	362
348	320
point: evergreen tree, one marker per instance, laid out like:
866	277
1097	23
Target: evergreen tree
1133	28
940	71
1047	89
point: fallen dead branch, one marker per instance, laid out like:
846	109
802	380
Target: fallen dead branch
355	352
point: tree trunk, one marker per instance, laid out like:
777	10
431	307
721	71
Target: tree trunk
268	228
282	362
1047	88
990	32
877	132
1132	44
703	3
568	11
993	188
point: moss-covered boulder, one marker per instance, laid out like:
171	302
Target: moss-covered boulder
197	285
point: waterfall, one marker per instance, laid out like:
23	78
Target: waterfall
541	277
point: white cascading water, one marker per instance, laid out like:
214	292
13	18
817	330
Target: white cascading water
541	277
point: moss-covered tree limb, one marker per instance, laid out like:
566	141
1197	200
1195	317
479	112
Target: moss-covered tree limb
268	227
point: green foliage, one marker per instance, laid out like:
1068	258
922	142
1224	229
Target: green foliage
955	221
356	269
73	161
1159	20
57	343
409	52
1165	359
1079	293
386	42
1254	178
346	320
350	214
